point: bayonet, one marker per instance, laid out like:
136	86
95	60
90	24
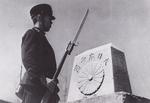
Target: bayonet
70	46
73	43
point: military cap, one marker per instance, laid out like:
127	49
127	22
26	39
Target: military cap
43	9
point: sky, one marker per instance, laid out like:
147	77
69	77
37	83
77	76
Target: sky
124	23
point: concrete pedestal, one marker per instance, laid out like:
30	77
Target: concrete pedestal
118	97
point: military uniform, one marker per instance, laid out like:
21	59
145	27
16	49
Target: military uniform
39	60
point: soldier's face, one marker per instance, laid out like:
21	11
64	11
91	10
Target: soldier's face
47	23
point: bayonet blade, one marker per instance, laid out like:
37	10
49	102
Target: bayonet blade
81	25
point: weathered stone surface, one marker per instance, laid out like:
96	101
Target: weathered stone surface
118	97
2	101
135	99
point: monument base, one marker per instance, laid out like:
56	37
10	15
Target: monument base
118	97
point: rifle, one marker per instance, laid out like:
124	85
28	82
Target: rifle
48	97
70	47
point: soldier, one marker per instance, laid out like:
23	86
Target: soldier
38	57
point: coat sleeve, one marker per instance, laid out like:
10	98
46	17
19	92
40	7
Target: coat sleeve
30	51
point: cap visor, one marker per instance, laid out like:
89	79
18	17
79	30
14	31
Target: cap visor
53	18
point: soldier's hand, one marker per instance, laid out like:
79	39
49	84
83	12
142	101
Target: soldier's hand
51	96
52	86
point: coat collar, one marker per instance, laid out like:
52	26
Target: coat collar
38	30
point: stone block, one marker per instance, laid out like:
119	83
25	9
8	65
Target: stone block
118	97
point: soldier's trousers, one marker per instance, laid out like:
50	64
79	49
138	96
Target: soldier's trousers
32	97
38	97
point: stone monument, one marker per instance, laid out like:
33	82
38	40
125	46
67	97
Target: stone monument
100	75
